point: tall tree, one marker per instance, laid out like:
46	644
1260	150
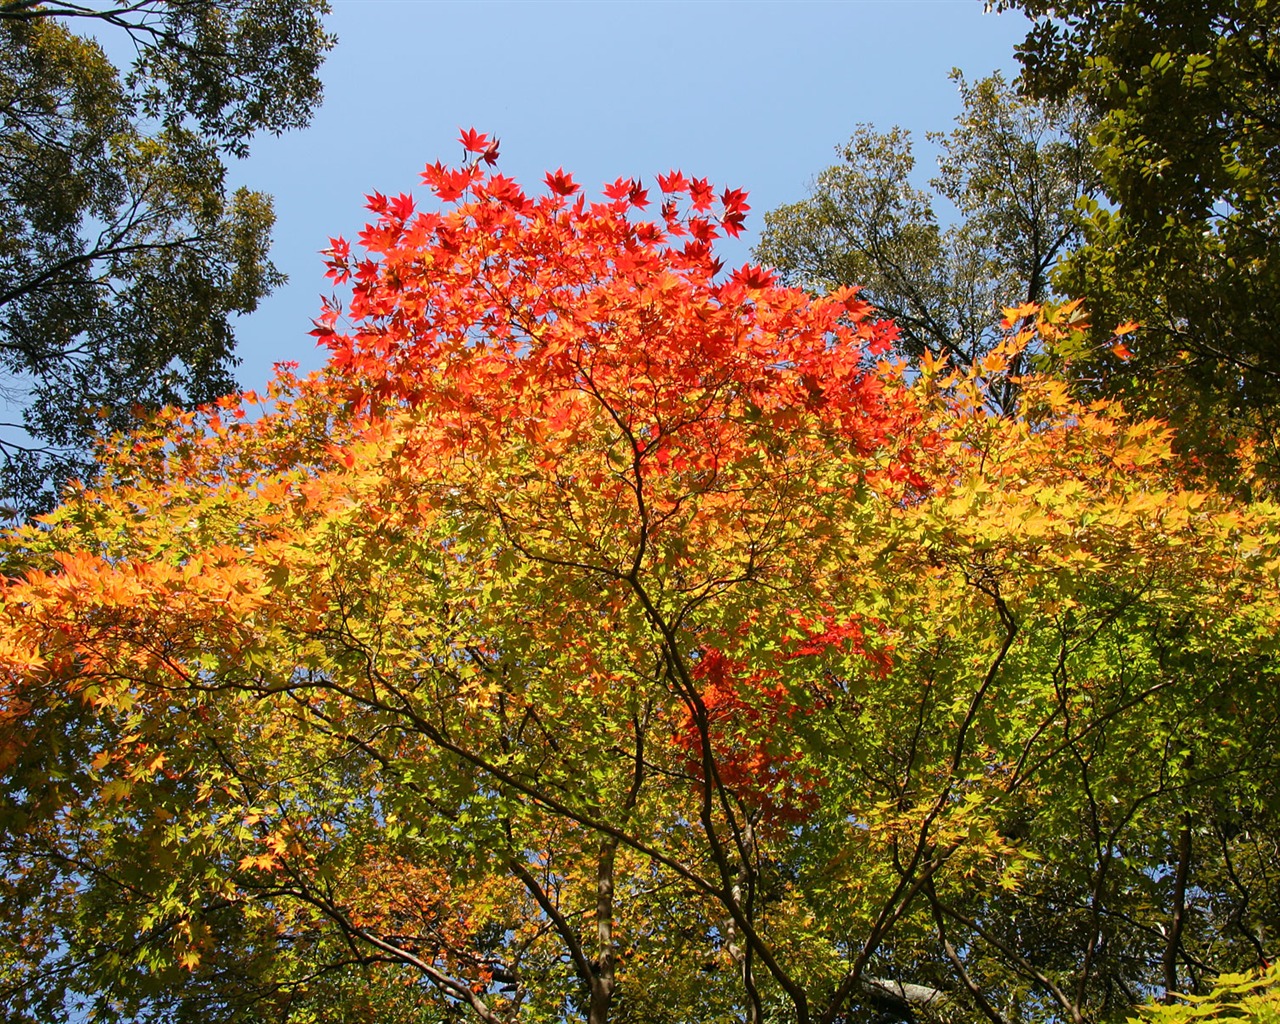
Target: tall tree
1186	235
599	638
1013	170
123	260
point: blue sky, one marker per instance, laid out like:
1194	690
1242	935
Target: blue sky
751	95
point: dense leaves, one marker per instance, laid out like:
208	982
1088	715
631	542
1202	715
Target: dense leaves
602	636
123	259
1184	237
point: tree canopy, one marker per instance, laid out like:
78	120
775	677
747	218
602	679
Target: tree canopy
1184	236
1012	170
123	260
603	637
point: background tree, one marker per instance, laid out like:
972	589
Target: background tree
601	638
1013	170
1185	236
123	260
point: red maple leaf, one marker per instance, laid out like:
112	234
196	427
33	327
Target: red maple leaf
620	189
402	206
673	182
702	230
734	200
701	193
448	184
561	183
474	141
753	276
505	190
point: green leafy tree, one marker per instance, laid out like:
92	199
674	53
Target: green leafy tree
1185	236
123	259
1011	168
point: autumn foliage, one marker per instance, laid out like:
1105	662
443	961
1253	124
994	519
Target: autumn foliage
604	636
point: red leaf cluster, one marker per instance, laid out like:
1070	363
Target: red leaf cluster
508	312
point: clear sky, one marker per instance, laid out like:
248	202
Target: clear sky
752	95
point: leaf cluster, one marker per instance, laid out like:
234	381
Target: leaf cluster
123	259
1183	236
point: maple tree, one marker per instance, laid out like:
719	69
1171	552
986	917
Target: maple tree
604	637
